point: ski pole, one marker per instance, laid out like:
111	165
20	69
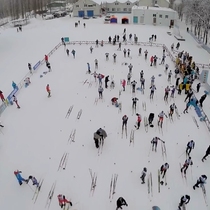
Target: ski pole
181	154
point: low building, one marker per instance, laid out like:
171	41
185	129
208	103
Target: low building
86	8
119	7
153	3
154	16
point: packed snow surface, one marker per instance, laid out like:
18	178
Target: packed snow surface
35	137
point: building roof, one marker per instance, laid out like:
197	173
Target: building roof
112	1
153	8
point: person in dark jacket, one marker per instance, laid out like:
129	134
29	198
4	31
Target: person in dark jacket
184	200
207	154
121	202
106	81
203	97
198	87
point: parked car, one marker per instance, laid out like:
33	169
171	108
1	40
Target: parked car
85	17
48	17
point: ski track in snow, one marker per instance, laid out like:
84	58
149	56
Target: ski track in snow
35	137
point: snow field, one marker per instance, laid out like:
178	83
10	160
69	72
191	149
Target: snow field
36	136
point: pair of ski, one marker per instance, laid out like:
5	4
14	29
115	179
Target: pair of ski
101	145
124	128
144	106
93	181
50	195
195	121
146	124
184	177
132	137
38	188
79	114
160	127
63	161
149	185
204	194
163	149
69	112
161	182
72	136
113	184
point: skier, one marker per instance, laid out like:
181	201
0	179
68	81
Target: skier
123	84
143	175
155	60
198	87
138	121
163	59
163	169
187	106
129	51
145	54
102	43
207	154
102	133
121	202
48	66
172	108
88	66
91	49
106	81
124	52
186	165
100	77
150	119
124	122
107	56
114	101
62	200
154	143
33	179
166	67
119	48
141	74
151	60
130	67
14	85
177	83
152	80
189	95
161	116
114	57
172	47
30	68
67	52
133	86
96	42
46	58
73	52
27	81
153	88
129	78
2	96
142	81
48	90
100	92
169	76
177	46
176	71
201	181
139	51
16	101
112	85
173	91
184	200
96	64
94	75
134	102
190	146
167	89
203	97
19	177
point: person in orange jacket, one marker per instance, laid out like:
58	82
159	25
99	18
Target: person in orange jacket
151	60
48	90
62	200
46	58
123	84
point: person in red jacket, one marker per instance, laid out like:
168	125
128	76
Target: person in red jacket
62	201
16	101
46	58
123	84
138	121
2	96
151	60
48	90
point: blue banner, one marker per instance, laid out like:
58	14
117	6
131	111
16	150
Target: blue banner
9	97
37	65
